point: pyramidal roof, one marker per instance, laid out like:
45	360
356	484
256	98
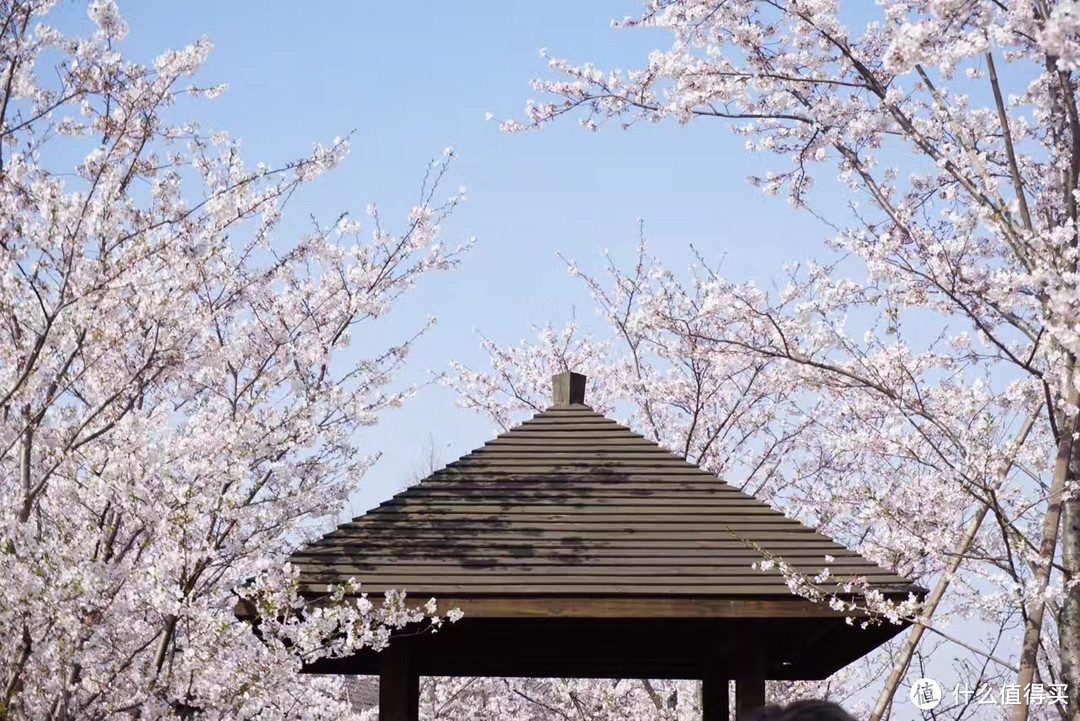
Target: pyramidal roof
571	503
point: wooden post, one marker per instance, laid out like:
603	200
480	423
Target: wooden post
714	698
399	685
749	696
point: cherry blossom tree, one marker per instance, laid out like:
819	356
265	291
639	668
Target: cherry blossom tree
932	364
179	391
540	699
484	699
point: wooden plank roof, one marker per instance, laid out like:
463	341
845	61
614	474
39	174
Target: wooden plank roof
572	504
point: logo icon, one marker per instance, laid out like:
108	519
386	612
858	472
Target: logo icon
925	694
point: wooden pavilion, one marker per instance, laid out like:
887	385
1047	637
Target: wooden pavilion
577	548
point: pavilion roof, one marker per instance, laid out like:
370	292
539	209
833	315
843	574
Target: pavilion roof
573	504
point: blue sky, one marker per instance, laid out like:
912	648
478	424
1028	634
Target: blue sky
413	78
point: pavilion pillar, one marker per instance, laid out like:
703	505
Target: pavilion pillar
749	695
714	698
399	684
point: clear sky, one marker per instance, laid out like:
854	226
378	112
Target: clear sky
413	78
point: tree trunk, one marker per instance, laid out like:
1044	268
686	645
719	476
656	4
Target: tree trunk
900	668
1069	631
1030	651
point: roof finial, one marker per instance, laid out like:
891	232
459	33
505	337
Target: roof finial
568	388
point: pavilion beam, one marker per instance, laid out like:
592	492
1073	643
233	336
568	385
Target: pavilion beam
715	704
399	684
